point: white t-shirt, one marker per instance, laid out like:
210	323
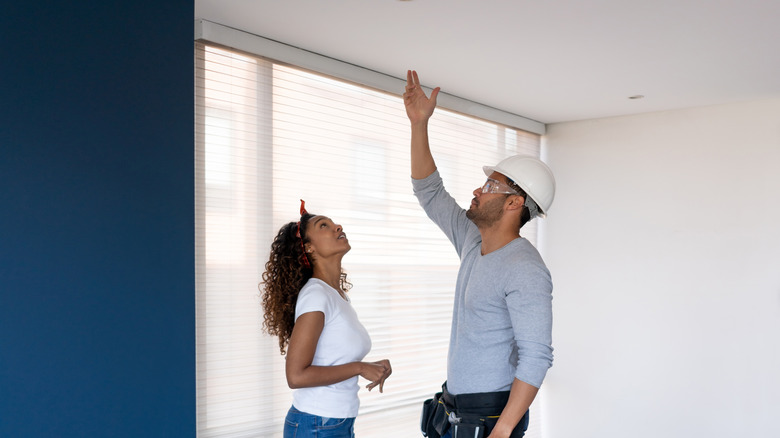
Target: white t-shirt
343	340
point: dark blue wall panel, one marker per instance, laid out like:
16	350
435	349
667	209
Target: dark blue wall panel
97	311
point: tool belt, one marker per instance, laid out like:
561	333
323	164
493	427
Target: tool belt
469	415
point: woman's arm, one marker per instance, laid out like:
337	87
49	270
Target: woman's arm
300	354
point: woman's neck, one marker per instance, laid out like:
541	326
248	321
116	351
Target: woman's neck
330	274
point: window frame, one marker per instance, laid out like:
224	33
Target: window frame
264	161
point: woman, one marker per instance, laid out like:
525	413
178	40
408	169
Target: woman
306	306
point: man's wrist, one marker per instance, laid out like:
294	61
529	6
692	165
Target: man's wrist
501	430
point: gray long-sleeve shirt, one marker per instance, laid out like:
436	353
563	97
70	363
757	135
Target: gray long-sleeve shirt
502	315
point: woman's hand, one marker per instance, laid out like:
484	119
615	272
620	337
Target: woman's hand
376	373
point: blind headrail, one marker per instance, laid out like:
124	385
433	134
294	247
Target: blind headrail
207	31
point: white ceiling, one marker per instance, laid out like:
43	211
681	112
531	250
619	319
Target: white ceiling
550	61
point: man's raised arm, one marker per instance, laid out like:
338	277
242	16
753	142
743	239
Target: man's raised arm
419	109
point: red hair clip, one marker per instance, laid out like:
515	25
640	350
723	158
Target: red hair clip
298	235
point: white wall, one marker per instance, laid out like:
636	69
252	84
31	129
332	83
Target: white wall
664	244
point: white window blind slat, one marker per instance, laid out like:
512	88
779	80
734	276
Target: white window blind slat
268	135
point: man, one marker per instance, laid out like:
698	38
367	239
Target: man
500	343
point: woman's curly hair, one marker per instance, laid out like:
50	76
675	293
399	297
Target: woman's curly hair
285	274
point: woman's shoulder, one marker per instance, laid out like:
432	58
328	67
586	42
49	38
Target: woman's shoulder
314	286
319	290
314	296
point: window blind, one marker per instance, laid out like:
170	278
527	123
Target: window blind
269	134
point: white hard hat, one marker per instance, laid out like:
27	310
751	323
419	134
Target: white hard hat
532	175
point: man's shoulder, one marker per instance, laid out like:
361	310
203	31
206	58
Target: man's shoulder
523	257
523	248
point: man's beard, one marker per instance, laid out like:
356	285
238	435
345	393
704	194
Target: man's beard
488	213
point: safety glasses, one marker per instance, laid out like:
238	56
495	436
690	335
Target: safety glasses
496	186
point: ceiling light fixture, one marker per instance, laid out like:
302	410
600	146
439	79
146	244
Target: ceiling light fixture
636	96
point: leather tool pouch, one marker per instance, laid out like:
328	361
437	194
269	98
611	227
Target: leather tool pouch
465	430
434	420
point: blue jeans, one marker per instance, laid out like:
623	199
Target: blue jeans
302	425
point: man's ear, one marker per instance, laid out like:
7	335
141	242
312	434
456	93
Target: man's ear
515	202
